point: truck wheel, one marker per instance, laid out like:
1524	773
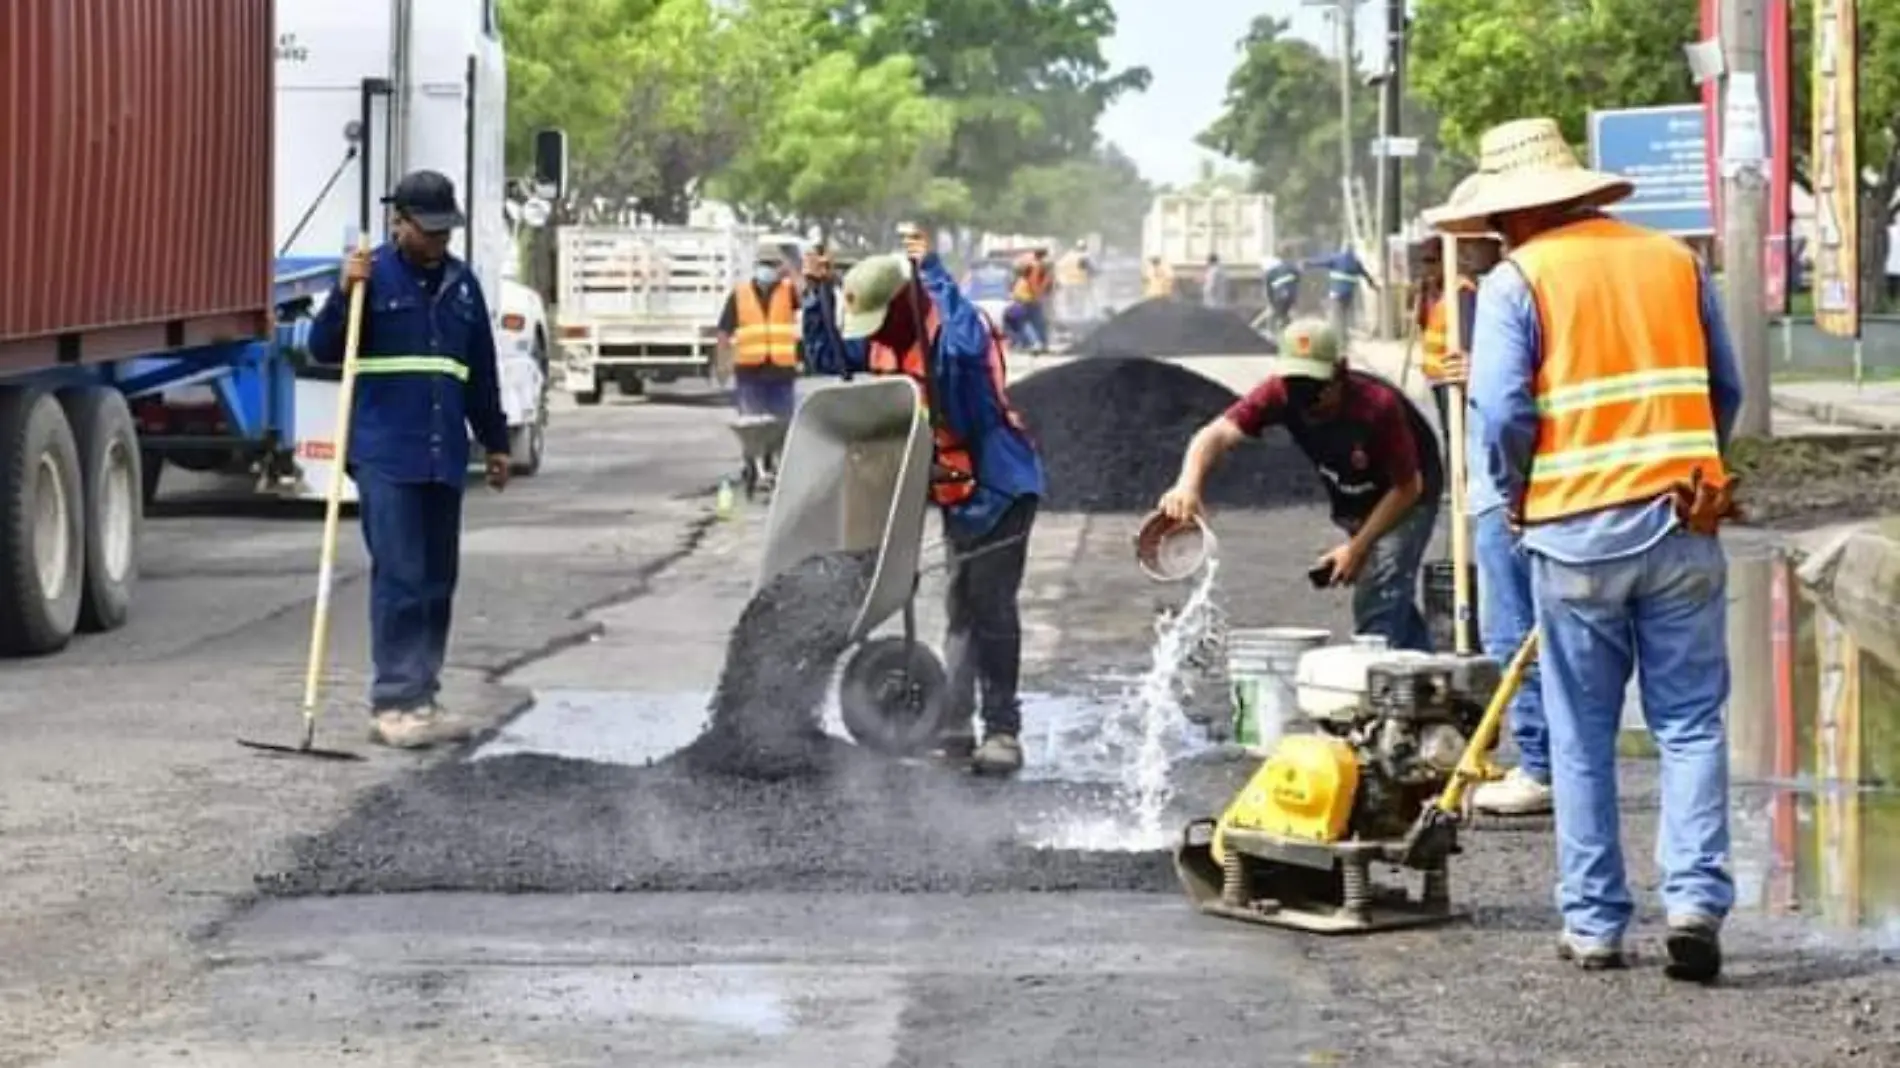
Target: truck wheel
525	444
42	525
111	467
589	398
631	384
151	469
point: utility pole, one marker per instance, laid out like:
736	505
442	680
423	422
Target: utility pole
1391	178
1744	212
1344	14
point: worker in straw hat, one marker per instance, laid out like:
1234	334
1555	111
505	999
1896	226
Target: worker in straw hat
903	315
1374	453
1605	388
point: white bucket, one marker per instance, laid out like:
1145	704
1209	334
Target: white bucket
1261	669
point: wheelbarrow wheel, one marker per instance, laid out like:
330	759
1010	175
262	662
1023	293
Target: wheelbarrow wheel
893	694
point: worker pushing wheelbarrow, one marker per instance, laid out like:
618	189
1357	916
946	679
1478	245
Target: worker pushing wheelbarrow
865	460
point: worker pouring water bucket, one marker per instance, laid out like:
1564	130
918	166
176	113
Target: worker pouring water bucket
1170	550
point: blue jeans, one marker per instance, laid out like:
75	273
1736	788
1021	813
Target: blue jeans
1506	614
1385	595
1039	324
414	534
1663	610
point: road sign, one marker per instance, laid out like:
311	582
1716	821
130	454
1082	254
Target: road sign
1663	151
1395	147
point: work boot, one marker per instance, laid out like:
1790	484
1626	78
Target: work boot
1591	956
1695	948
400	728
445	726
1000	754
1517	794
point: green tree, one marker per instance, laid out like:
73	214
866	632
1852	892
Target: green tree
1027	77
566	68
849	145
1102	193
655	94
1282	116
1477	63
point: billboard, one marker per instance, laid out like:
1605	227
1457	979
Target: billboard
1836	167
1777	252
1661	151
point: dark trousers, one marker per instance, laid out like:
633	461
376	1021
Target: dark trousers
984	648
414	534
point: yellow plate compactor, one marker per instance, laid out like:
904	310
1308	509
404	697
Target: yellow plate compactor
1374	776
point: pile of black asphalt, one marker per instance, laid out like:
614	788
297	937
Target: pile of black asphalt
1112	431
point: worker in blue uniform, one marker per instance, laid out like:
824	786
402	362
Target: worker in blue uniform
426	376
1344	272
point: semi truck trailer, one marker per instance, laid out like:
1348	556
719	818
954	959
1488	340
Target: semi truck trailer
181	184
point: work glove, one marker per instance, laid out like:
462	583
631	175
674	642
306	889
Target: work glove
1702	508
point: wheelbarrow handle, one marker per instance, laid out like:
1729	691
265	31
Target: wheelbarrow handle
952	559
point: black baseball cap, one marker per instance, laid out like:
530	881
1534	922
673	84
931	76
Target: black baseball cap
427	198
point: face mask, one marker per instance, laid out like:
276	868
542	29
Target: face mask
765	276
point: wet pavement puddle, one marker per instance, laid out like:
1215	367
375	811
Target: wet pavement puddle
1814	733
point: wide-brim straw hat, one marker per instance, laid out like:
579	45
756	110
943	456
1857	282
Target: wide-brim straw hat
1522	165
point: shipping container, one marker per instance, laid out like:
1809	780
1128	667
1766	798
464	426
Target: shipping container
135	200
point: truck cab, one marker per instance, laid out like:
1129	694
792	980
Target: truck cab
368	90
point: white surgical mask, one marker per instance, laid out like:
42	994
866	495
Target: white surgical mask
765	276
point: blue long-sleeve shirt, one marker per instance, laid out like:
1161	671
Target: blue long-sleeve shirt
965	387
426	370
1343	274
1507	349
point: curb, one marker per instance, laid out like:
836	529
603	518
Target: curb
1835	414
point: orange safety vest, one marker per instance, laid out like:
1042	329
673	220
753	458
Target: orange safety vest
766	335
1037	275
1623	408
953	471
1431	341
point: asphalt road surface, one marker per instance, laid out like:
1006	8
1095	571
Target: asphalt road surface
555	894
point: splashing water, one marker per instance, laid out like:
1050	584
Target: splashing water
1147	733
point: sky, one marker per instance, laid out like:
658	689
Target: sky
1190	57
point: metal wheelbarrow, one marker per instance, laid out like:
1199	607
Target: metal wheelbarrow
761	439
855	475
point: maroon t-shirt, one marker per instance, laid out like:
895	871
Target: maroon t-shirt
1377	440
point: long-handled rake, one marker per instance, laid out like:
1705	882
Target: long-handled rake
326	566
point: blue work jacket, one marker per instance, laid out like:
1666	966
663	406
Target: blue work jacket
426	371
1343	273
964	384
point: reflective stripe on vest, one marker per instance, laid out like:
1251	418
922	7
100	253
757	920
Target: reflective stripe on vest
412	365
1431	340
1622	392
765	336
953	468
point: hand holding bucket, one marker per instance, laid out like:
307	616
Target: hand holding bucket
1174	550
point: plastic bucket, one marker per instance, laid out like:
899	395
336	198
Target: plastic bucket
1441	604
1170	551
1261	672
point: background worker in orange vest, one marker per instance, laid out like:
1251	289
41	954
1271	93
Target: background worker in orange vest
1606	388
758	332
1041	282
905	315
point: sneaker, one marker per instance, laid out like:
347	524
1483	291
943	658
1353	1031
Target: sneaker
1695	949
1000	754
1517	794
400	729
1590	956
446	726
